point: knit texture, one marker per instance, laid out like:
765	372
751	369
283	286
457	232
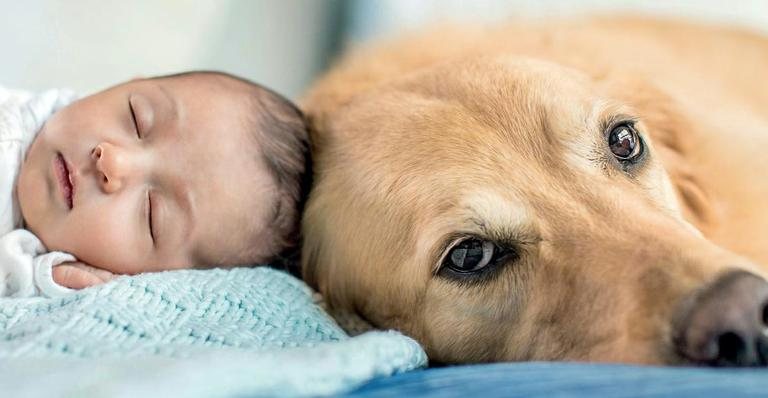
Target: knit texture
245	331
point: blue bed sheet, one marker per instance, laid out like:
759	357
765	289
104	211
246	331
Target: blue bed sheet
562	380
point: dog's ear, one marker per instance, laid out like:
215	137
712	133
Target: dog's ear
321	260
670	131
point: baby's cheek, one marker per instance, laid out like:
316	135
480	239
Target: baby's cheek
31	192
102	243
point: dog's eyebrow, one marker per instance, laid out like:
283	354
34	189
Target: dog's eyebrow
479	222
489	207
488	214
520	233
616	118
606	113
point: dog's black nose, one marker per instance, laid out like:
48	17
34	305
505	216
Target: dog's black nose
726	323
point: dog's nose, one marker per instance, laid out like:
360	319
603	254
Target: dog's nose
726	323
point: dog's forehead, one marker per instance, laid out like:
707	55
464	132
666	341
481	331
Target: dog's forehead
490	122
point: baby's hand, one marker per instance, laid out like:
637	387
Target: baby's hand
77	275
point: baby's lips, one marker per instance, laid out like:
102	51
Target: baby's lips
64	179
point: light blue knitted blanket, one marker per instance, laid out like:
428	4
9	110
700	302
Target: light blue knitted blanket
216	333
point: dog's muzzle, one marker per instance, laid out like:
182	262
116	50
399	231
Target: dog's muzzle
725	324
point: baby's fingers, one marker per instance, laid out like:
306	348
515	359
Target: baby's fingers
80	276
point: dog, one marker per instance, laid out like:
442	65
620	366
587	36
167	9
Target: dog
577	190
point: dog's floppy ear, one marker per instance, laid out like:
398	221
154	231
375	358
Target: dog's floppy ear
668	127
322	258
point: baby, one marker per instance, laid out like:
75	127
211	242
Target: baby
199	169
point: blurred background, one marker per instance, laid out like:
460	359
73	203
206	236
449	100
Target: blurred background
92	44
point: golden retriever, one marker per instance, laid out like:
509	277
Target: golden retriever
572	190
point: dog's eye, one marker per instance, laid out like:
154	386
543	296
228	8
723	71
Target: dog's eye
624	142
471	255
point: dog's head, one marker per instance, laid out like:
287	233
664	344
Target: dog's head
512	209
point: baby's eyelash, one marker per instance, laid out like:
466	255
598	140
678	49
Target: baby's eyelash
133	117
149	216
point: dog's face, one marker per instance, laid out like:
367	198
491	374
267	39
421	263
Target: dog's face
505	209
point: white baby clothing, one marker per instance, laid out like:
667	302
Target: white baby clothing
25	266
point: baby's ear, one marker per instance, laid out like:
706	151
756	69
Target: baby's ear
78	275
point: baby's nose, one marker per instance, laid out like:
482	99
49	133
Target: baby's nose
113	166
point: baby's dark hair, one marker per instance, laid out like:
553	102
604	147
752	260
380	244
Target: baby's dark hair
280	129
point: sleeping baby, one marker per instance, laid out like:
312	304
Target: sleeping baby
200	169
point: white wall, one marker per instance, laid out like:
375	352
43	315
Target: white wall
377	18
91	44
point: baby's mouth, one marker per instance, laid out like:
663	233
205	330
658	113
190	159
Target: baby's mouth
64	177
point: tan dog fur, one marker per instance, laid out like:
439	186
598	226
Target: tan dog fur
499	133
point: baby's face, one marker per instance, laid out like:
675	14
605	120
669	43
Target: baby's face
163	176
